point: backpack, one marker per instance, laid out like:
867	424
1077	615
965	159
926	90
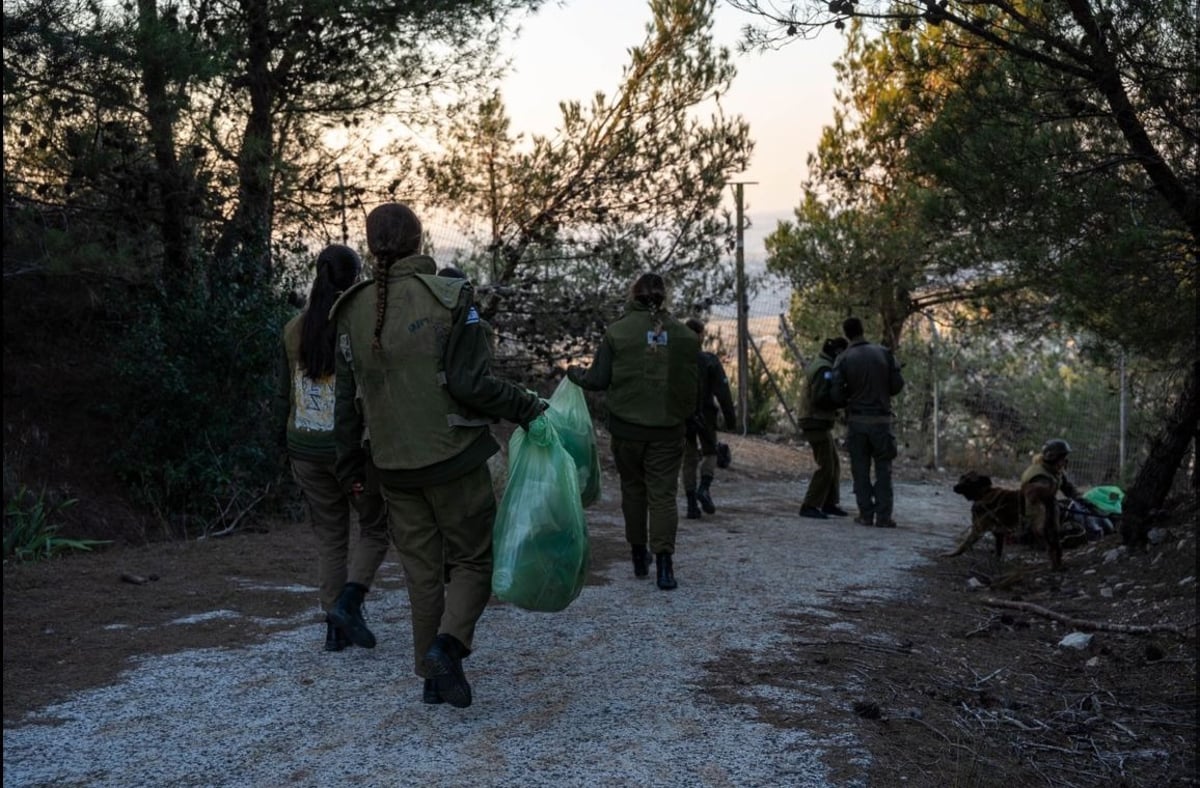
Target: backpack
829	390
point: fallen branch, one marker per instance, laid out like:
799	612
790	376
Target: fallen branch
1132	629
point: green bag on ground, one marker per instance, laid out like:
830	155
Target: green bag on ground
568	412
1106	500
540	540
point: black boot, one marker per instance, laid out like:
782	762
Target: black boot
641	560
335	640
443	662
347	614
706	501
693	512
430	693
666	574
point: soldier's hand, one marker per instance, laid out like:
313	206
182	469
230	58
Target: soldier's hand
575	374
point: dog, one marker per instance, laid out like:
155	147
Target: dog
993	509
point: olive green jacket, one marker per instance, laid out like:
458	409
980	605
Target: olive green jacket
303	408
427	396
812	417
646	363
1038	470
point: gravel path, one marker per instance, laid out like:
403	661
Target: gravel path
605	693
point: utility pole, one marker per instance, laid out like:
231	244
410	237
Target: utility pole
743	322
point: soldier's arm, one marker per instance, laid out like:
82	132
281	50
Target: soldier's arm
351	464
724	396
281	403
1069	489
598	376
469	378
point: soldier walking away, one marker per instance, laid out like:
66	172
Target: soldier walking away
413	354
872	377
700	440
647	364
304	415
818	413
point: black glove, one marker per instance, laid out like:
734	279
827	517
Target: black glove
542	405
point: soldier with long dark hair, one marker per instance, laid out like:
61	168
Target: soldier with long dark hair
305	398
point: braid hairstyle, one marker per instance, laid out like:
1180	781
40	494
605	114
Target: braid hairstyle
337	268
393	232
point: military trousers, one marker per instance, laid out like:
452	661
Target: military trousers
649	472
443	533
329	509
823	487
699	453
871	444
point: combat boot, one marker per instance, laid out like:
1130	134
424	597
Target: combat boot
347	615
335	640
443	662
641	560
666	573
703	496
430	693
693	510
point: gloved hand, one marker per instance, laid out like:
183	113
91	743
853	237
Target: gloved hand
575	374
542	405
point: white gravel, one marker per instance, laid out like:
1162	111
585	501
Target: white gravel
605	693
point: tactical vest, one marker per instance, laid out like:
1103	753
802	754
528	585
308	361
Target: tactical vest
1040	471
654	372
807	408
412	419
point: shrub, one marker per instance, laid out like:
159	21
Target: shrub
30	530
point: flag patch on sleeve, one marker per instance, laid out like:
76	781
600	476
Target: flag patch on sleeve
472	316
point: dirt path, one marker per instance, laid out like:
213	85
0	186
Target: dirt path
616	690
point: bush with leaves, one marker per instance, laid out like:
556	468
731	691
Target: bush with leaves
195	380
31	530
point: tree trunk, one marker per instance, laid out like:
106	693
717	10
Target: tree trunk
248	233
175	227
1167	450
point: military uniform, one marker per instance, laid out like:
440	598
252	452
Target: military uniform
647	364
1040	485
427	397
700	440
305	419
817	427
869	371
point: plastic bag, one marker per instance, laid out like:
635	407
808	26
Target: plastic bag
540	540
568	412
1107	500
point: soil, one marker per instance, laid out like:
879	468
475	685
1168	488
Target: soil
958	678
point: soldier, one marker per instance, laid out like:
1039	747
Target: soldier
817	416
305	415
647	363
1040	484
412	349
872	378
700	441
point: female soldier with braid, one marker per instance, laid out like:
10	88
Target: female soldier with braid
305	402
413	349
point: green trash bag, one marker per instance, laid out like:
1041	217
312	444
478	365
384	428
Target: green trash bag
1106	500
568	412
540	540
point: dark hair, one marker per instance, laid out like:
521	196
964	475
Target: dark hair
649	289
393	232
834	345
452	272
852	327
337	268
696	324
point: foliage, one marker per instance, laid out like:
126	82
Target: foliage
31	528
195	381
631	183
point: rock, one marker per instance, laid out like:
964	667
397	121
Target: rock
1112	555
1106	592
973	583
1094	662
1157	535
1076	640
1187	581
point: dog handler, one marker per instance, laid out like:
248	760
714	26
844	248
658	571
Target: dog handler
1040	485
821	498
412	350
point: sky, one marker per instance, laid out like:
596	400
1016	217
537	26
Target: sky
571	50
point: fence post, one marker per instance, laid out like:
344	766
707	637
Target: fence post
743	324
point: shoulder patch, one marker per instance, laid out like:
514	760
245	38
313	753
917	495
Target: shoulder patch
472	316
345	296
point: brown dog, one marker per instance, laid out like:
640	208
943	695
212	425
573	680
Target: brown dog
993	509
